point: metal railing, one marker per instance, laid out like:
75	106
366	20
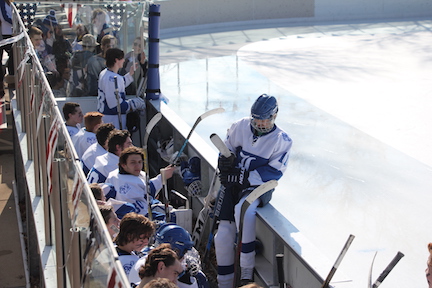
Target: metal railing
66	235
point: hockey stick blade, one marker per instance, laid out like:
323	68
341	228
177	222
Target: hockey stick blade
197	121
388	269
150	125
338	261
254	195
220	145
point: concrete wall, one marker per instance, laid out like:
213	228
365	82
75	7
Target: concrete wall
179	14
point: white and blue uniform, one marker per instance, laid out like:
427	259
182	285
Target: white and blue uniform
72	130
128	261
88	159
104	164
107	100
82	141
265	157
132	189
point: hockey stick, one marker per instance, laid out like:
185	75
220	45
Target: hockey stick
223	149
388	269
338	261
254	195
280	270
150	125
370	271
116	92
202	218
166	196
198	120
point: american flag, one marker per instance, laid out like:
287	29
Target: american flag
71	11
116	12
27	11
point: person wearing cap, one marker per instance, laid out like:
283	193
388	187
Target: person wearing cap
97	63
80	31
79	61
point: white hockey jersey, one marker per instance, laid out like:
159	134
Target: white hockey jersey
265	157
83	140
132	189
104	164
107	99
88	159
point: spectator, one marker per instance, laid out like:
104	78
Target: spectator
136	56
56	83
96	64
80	31
79	61
101	26
61	49
429	266
6	27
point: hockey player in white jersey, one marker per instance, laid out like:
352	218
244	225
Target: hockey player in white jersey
111	90
87	136
118	140
260	152
97	149
73	117
129	180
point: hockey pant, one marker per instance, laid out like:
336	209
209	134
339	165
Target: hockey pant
225	239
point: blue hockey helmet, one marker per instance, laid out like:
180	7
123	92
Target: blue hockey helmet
175	235
264	110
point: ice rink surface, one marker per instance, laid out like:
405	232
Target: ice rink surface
356	99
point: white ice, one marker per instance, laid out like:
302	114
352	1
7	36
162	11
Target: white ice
356	100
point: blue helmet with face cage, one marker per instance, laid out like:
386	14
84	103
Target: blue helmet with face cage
177	236
265	107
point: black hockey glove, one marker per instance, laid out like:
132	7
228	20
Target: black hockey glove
226	164
235	176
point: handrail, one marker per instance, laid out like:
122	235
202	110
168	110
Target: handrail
71	241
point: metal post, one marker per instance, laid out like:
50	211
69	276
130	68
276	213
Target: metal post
153	82
45	125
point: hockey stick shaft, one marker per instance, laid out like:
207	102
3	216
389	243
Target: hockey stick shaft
118	102
149	127
280	270
201	221
223	149
370	271
197	121
166	196
338	261
388	269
